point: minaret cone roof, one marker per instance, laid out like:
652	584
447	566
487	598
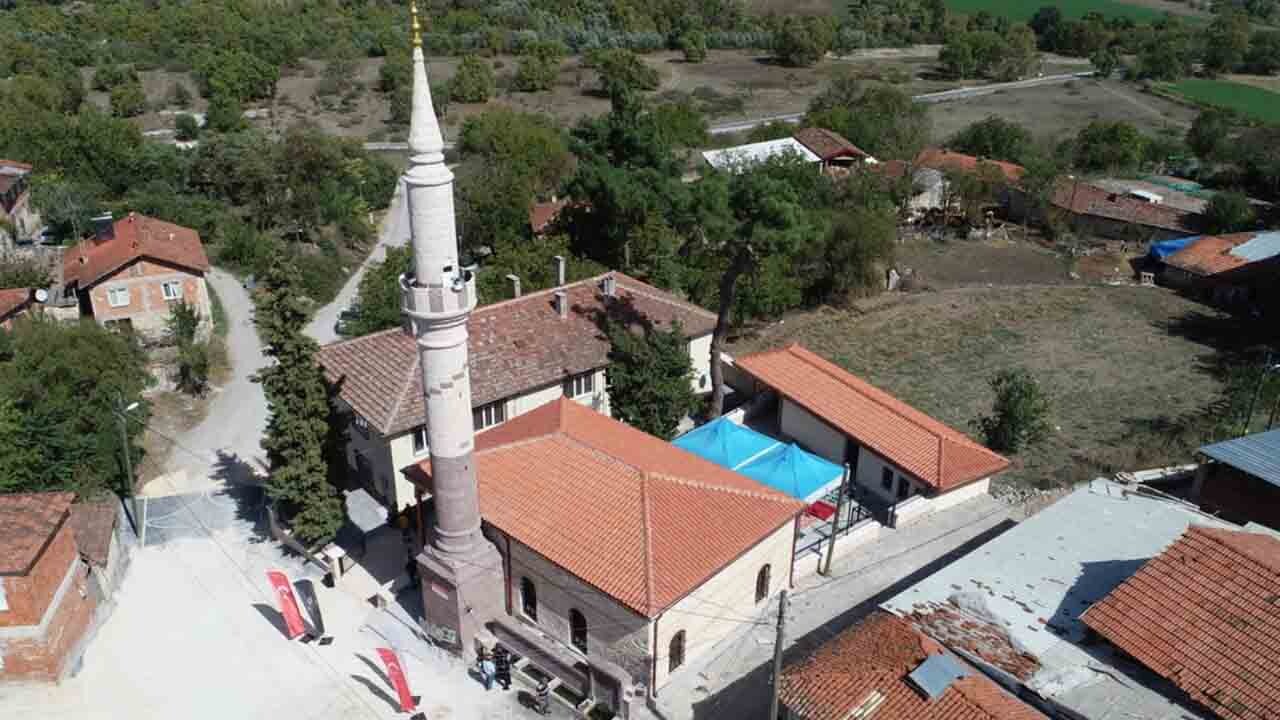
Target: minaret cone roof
424	129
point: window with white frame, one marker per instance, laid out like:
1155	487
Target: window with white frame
580	385
360	424
489	415
172	290
420	440
118	297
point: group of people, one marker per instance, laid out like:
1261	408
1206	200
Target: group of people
496	667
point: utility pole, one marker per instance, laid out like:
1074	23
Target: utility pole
777	653
835	520
1267	367
139	525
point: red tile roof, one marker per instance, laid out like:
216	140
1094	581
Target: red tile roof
516	346
544	213
942	159
938	455
1211	254
1082	198
875	657
1205	614
975	637
28	521
136	236
632	515
93	524
827	144
12	300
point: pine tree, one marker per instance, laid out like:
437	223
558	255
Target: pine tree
298	429
649	376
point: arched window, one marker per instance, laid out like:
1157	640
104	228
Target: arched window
675	654
762	583
578	629
529	599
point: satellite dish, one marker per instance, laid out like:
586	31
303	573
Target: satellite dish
42	295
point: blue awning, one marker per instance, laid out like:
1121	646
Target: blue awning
782	466
724	443
1163	249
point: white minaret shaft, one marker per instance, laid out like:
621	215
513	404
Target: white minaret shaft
439	299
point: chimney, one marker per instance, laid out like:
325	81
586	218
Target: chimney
559	270
610	285
515	285
103	228
562	304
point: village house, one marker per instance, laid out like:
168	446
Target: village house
16	302
903	463
944	160
1018	607
837	155
133	270
1092	210
46	599
884	667
743	157
17	218
1235	270
1219	645
523	353
625	558
928	186
544	215
1239	479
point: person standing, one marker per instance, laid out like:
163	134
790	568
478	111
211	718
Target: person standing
544	699
486	668
502	667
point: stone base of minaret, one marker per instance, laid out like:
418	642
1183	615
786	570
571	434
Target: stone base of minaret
460	597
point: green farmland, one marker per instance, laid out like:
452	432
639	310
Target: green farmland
1022	10
1254	102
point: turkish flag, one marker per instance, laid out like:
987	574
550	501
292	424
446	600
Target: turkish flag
396	673
288	604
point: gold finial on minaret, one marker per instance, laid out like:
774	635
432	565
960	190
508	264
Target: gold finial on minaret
417	29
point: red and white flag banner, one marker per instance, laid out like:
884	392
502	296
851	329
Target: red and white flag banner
288	603
396	673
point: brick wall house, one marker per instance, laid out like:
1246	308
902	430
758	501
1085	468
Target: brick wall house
46	603
132	272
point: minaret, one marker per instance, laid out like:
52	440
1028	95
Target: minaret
461	570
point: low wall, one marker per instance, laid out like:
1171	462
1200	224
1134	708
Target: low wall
865	532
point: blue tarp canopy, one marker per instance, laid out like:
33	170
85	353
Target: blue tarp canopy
782	466
1162	250
801	475
724	443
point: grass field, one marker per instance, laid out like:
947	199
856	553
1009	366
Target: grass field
1021	10
1252	101
1118	369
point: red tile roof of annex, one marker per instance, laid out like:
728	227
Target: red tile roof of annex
542	214
943	159
1205	614
1211	254
875	656
938	455
628	513
27	522
12	299
828	144
515	346
136	236
1082	198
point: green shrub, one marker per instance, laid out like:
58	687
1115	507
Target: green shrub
694	46
186	127
128	100
473	83
1019	415
109	77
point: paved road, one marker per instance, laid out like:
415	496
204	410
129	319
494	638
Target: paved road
393	233
937	97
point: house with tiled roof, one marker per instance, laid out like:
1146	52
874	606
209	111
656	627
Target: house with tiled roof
132	271
1237	269
899	457
1205	615
18	220
14	303
625	557
946	160
834	150
1090	209
1018	607
523	353
46	593
887	669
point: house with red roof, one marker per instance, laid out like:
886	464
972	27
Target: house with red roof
133	270
47	597
625	558
1237	269
1109	213
902	462
834	151
946	160
885	668
1204	615
524	352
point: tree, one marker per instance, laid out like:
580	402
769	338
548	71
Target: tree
649	377
473	83
1228	212
1109	146
681	124
107	77
803	41
1105	61
18	271
378	301
622	73
61	386
128	100
1019	415
854	251
65	205
694	46
539	67
1227	43
225	113
186	127
882	120
995	138
192	374
1208	133
1046	22
956	58
1263	56
297	397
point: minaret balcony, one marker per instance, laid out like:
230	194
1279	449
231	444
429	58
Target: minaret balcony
443	302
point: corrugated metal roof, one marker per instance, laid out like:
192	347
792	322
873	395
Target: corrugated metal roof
735	158
1257	454
936	674
1261	247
